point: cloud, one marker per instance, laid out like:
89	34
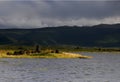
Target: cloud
42	13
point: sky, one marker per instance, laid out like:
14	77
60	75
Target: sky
44	13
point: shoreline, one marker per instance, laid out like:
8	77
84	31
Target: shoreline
48	55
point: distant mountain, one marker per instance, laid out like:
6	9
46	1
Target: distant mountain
88	36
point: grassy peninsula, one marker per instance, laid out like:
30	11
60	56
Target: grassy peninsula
44	55
39	53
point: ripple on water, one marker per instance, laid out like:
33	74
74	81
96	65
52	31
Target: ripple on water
102	68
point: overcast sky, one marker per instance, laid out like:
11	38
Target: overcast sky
42	13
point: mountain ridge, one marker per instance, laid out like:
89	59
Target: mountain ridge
102	35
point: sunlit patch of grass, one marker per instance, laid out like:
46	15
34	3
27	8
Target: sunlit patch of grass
3	53
69	55
42	55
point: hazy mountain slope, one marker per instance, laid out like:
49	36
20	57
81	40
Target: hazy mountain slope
100	35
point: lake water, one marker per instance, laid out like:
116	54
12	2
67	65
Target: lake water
104	67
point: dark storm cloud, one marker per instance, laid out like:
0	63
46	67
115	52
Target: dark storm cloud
59	12
80	9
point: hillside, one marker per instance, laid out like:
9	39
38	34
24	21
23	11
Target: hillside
99	35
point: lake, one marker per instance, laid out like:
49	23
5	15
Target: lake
104	67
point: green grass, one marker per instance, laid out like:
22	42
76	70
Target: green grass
42	55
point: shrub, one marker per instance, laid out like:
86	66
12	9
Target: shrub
56	51
9	53
18	53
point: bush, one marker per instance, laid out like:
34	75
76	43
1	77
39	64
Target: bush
56	51
9	53
18	53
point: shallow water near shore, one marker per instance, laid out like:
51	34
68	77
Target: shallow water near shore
104	67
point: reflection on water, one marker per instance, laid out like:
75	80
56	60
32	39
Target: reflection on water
104	67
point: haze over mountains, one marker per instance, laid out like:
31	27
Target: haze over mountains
95	36
48	13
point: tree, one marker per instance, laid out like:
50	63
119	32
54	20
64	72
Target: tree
37	48
56	51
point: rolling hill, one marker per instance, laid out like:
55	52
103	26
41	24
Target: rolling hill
102	35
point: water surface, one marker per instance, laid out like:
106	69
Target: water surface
104	67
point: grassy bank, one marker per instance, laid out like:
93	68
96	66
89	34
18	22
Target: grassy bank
66	48
89	49
42	55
